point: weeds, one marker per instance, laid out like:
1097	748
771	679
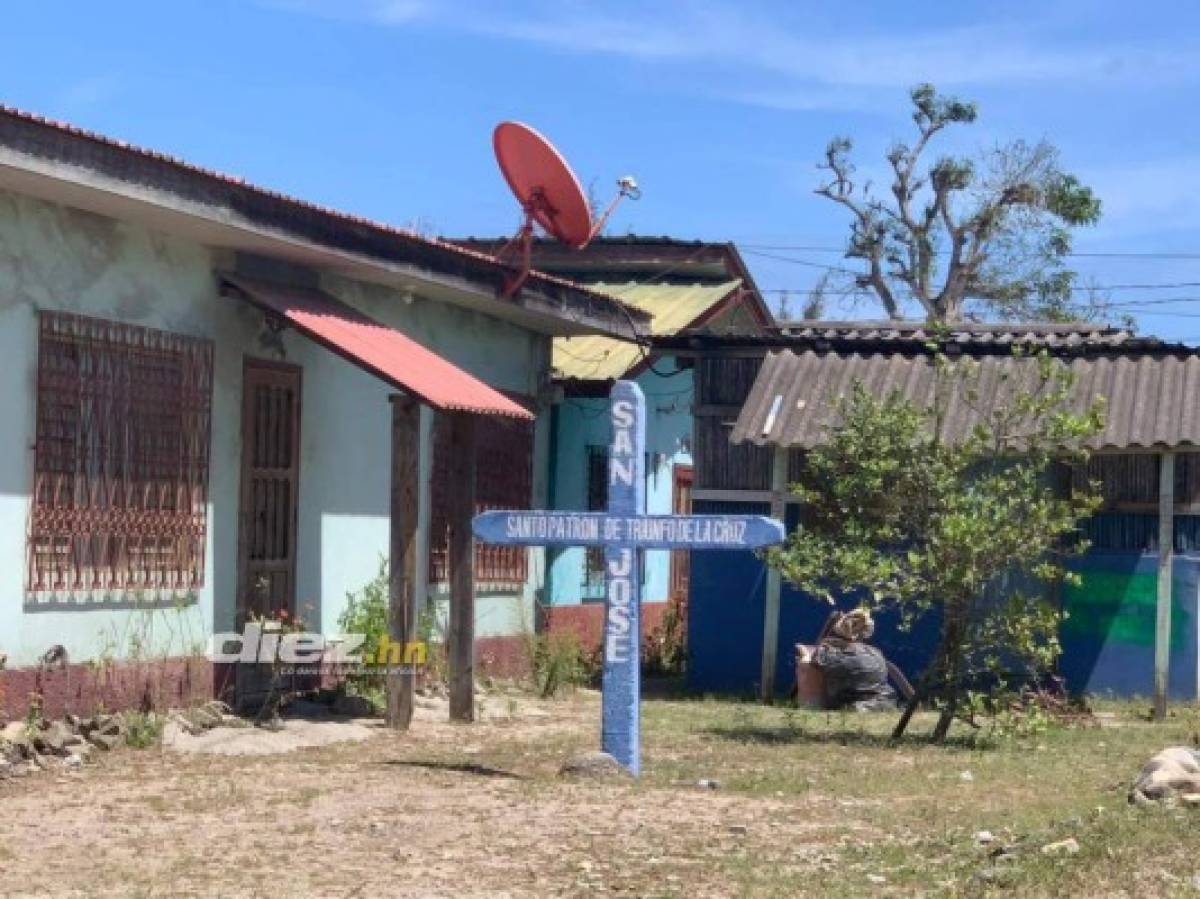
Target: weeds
143	730
559	663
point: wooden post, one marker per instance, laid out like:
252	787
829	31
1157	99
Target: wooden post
460	508
402	559
1166	552
774	585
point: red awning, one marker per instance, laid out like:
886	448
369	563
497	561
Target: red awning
384	352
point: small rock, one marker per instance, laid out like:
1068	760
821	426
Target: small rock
1069	846
73	761
109	726
876	878
14	732
179	723
53	739
173	732
708	784
106	742
202	719
14	752
967	777
592	765
738	829
985	838
994	875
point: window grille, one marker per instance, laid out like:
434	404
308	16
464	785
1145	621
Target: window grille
503	480
121	459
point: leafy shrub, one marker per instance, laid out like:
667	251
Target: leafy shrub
665	649
143	730
559	662
366	613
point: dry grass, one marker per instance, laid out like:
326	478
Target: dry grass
809	804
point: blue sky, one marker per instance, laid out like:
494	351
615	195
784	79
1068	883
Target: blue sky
719	107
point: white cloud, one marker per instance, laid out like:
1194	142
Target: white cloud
384	12
1147	197
782	62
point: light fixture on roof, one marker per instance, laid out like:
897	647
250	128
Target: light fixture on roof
549	193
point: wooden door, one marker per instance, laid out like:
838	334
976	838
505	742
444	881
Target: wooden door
681	504
269	488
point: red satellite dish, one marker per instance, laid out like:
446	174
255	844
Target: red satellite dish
541	179
549	194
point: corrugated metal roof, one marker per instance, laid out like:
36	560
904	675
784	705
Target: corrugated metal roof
1153	400
382	351
1004	334
1075	338
673	307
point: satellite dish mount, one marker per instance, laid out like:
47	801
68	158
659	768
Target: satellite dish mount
550	196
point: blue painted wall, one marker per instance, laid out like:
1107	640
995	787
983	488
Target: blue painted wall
1107	637
725	620
584	422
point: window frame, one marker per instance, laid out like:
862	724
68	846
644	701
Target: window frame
121	459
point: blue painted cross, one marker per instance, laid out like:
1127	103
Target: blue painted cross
625	531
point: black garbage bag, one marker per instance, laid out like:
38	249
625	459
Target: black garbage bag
855	675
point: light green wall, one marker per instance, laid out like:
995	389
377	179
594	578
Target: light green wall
583	423
63	259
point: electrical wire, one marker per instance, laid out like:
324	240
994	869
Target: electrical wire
1082	288
1102	254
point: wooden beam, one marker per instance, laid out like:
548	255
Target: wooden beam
402	559
1166	553
774	585
460	508
732	495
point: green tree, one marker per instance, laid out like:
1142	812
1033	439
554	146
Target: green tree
988	235
905	510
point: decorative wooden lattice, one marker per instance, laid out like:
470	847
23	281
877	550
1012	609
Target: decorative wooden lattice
503	480
121	461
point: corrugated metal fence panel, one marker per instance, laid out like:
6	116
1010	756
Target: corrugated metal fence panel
1132	532
726	465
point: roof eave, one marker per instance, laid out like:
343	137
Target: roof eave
73	168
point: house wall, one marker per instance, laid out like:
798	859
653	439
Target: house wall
1107	636
726	610
570	602
54	258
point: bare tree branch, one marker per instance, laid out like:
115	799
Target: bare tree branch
1002	224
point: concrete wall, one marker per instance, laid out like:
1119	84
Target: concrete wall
62	259
584	422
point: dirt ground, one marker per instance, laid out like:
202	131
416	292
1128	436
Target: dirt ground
807	804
